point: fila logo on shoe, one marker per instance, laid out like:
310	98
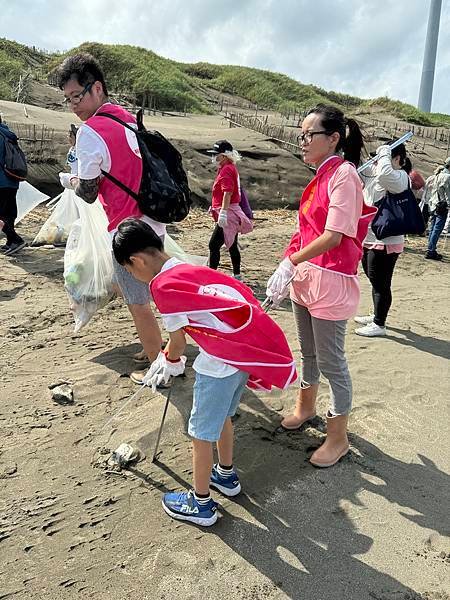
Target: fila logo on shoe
192	510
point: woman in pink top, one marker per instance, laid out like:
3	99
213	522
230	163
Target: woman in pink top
321	264
225	207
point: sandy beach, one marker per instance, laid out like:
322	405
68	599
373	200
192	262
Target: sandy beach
375	527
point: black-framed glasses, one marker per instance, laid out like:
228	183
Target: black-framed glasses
77	98
307	136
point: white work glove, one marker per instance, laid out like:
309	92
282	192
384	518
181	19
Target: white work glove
222	221
66	180
384	150
277	287
161	370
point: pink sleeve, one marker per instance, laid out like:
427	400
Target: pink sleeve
294	244
346	201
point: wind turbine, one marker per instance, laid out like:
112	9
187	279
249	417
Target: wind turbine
429	59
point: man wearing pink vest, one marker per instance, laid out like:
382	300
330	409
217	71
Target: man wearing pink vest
103	145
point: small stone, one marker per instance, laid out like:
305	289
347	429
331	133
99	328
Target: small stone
51	386
9	471
432	541
276	404
62	394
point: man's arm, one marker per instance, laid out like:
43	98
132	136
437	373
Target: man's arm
87	189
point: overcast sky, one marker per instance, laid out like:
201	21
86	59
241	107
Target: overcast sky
367	48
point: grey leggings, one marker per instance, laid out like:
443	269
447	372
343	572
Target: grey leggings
322	349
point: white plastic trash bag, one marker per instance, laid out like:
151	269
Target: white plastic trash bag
174	250
28	197
57	227
88	267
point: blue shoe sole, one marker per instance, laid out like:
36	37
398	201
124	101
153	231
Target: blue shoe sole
230	492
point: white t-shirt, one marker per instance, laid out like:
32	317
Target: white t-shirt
204	364
94	157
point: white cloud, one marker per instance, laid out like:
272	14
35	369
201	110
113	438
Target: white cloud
366	47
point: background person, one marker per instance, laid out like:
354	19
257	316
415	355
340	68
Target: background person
438	204
72	160
225	209
426	195
323	259
416	179
8	198
380	256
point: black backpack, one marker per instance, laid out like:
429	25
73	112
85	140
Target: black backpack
15	163
164	193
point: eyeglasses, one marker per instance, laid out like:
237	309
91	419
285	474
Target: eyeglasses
77	98
307	137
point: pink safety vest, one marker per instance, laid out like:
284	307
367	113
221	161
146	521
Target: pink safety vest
312	217
251	340
126	165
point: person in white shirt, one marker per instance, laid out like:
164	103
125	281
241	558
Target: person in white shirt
439	204
380	256
105	146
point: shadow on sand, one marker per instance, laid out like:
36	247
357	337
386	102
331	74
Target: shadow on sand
300	529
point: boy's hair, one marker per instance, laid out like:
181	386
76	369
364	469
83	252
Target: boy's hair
133	236
82	67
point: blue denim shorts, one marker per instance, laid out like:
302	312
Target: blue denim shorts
215	399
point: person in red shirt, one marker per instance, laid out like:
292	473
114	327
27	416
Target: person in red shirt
417	181
225	207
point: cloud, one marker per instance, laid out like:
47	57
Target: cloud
366	48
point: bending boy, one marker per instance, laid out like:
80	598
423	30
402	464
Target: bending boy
239	345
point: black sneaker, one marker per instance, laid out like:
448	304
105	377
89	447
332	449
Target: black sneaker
4	248
433	256
15	247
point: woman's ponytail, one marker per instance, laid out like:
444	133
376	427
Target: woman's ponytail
353	143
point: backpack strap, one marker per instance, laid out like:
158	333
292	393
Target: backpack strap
114	118
119	184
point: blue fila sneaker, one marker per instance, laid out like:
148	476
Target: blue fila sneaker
228	486
185	507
